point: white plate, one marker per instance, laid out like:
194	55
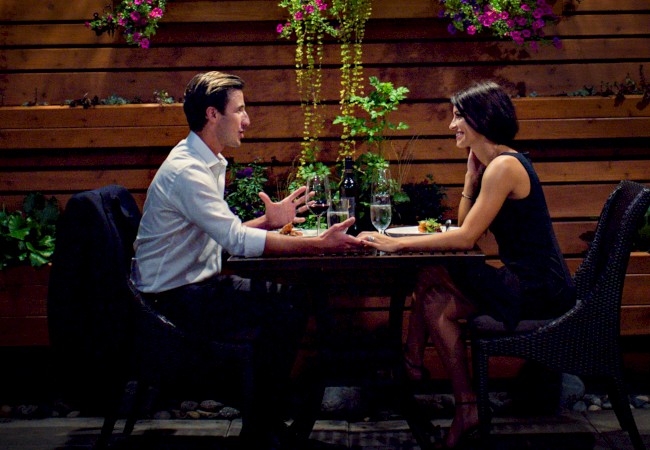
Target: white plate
305	233
409	231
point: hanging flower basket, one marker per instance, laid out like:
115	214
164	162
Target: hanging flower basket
137	19
522	21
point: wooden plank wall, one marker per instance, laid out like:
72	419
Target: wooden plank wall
581	147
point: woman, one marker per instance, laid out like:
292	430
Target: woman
502	194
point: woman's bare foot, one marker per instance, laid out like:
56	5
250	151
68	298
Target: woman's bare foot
465	422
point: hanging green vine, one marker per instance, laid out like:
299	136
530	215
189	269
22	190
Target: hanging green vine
312	21
353	16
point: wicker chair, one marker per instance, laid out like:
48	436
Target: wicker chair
585	340
101	326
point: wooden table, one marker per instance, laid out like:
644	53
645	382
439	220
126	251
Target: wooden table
377	273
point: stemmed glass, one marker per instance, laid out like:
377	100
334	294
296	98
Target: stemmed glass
318	184
380	206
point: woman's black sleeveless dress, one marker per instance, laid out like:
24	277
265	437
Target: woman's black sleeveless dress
534	282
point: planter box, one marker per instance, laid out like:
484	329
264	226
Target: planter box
23	306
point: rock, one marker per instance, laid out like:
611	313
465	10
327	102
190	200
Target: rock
193	415
592	399
26	411
229	413
162	415
607	405
211	405
579	406
572	390
207	414
638	402
189	405
643	398
5	411
341	398
594	408
73	414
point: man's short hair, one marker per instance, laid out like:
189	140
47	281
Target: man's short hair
205	90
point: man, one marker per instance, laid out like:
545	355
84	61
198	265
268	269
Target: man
186	223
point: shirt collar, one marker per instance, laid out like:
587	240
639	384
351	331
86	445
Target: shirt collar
204	152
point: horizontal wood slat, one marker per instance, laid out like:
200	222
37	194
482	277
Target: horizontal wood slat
164	115
25	35
401	53
433	83
256	10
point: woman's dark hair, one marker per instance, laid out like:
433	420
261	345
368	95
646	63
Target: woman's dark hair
205	90
487	108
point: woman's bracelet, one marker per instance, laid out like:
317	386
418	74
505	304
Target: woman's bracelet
464	195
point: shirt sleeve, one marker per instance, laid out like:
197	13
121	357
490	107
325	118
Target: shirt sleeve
196	195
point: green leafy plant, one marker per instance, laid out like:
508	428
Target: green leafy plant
244	184
642	241
377	106
28	236
137	19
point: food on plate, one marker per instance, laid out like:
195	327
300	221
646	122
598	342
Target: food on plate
429	226
289	230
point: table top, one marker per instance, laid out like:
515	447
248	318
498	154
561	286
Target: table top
346	261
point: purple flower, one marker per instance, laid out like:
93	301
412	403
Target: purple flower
451	28
246	172
557	43
534	47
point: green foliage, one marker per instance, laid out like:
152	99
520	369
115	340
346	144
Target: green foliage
244	184
377	105
642	242
29	235
425	202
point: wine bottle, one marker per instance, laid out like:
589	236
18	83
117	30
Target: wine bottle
349	190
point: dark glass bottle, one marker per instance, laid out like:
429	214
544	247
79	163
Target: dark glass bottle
349	190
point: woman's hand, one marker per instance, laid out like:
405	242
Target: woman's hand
379	241
281	213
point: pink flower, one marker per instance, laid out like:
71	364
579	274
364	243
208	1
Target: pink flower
122	22
525	7
322	7
144	43
135	16
137	2
471	29
298	15
309	9
279	28
534	47
510	23
87	24
526	33
538	13
156	13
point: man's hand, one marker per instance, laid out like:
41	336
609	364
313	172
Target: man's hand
281	213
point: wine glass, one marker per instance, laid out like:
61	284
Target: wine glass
318	184
380	206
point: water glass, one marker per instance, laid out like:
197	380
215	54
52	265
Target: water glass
338	212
